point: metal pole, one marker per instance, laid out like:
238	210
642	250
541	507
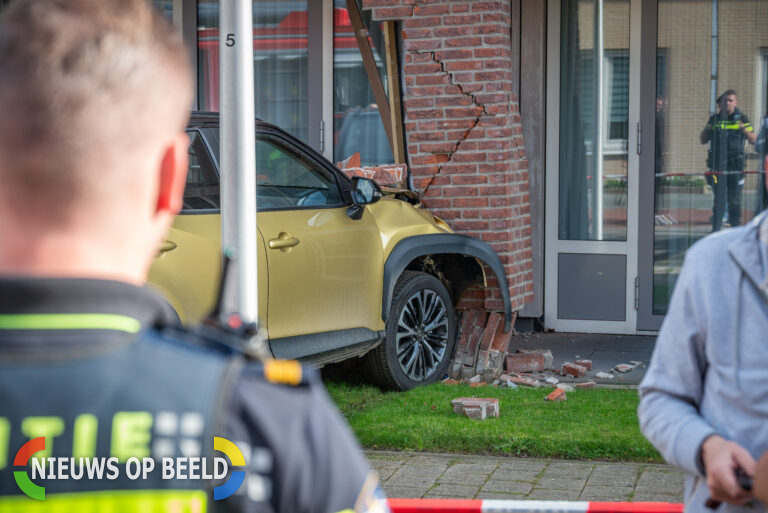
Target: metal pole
238	160
599	121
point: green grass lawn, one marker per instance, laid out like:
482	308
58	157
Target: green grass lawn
596	424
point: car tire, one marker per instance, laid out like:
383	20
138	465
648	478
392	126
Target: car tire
421	334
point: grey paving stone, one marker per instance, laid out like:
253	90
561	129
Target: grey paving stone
474	468
514	475
673	484
656	497
521	464
568	470
620	479
451	477
554	495
401	478
385	472
453	491
561	483
508	487
404	492
606	493
432	459
500	496
422	470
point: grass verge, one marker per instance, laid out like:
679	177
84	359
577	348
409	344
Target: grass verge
596	424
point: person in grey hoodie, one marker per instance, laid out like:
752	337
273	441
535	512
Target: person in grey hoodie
704	398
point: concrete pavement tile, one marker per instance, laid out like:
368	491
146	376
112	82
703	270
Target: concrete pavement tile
445	491
560	483
657	476
422	470
606	493
407	479
492	496
432	459
486	468
554	495
620	479
671	487
657	497
521	464
568	470
514	475
385	472
462	478
508	487
404	492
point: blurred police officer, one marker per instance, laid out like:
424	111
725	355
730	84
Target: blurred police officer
726	133
94	99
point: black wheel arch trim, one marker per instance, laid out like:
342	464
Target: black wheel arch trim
413	247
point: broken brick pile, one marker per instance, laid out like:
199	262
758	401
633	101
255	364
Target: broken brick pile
483	355
391	175
481	345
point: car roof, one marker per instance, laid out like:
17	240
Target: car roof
200	118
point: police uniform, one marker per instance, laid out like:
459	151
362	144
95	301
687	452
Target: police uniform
726	160
100	370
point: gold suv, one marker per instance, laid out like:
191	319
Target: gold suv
345	269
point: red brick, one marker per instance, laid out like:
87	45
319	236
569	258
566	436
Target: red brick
392	13
557	394
572	369
589	385
490	330
426	10
587	364
473	346
525	362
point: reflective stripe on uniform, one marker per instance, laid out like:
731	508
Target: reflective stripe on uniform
82	321
146	501
726	125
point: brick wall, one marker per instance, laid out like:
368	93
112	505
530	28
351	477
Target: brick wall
463	127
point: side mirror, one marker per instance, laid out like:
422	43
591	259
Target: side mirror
364	192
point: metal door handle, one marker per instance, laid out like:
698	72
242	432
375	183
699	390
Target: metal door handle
167	246
283	242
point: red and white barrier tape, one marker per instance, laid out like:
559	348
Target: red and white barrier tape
498	506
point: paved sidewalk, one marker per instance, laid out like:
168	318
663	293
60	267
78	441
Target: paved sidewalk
430	475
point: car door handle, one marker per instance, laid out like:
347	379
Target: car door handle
167	246
283	242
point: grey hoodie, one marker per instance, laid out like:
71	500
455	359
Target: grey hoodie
709	370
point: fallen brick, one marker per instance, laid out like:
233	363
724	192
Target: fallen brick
623	367
476	407
528	382
450	381
572	369
480	384
565	387
603	375
529	361
589	385
494	320
470	355
557	394
585	363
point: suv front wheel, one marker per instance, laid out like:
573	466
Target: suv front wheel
421	334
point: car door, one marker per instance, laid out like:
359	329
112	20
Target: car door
324	268
187	269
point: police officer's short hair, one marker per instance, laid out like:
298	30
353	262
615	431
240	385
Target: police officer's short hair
62	61
726	94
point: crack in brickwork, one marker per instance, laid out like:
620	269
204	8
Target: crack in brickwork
463	138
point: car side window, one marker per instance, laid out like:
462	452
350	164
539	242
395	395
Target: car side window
287	179
202	189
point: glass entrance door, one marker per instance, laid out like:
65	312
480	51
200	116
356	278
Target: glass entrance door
591	165
702	173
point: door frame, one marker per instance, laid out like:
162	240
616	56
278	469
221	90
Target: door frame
554	246
646	319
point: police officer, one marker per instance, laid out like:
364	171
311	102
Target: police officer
124	410
726	132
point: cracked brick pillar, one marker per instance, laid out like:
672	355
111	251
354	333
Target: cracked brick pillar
463	129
